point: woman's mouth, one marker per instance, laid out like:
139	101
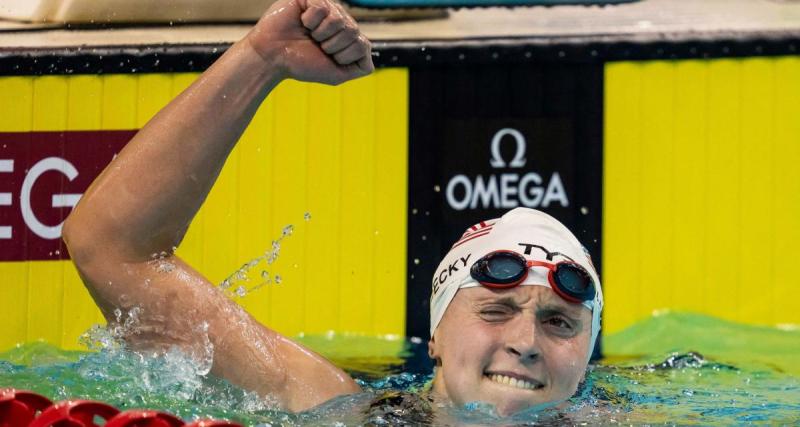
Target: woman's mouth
524	384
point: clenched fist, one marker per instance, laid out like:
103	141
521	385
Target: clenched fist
313	41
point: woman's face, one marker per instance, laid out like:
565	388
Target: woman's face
513	348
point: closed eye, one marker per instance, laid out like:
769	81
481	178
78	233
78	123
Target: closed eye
496	312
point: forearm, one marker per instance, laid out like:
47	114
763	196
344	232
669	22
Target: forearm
172	163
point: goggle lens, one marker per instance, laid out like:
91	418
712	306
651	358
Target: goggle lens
499	269
504	268
574	281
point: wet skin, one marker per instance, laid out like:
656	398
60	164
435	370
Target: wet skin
527	333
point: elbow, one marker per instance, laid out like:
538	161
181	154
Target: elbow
76	236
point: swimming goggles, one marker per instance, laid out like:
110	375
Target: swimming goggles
506	269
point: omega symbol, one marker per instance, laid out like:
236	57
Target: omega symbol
519	158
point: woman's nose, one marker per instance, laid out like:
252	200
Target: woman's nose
521	339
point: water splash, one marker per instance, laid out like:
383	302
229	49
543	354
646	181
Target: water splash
239	284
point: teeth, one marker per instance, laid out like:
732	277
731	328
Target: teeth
513	382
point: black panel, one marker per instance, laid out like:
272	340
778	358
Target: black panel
555	111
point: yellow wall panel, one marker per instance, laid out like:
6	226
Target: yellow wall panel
358	221
310	148
325	138
391	205
621	194
293	116
785	206
16	115
687	223
16	103
757	136
119	102
701	189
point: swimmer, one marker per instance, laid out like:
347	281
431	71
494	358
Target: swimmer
513	321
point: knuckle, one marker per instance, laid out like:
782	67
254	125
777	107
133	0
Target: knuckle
337	24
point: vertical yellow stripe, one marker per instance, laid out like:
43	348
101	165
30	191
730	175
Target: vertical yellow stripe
16	108
621	193
656	197
687	204
46	278
786	191
325	139
755	189
119	102
358	225
389	188
722	169
293	117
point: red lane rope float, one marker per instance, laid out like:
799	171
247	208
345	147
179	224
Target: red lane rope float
144	419
75	413
19	408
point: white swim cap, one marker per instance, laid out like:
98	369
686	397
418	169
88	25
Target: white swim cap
528	232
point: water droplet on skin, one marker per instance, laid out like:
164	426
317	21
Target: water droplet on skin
307	216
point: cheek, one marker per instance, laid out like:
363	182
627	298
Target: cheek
469	344
568	363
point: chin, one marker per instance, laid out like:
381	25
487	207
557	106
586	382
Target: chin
510	407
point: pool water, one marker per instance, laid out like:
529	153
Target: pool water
673	368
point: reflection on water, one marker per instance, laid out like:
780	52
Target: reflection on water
707	388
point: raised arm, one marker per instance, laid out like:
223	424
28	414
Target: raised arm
142	204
